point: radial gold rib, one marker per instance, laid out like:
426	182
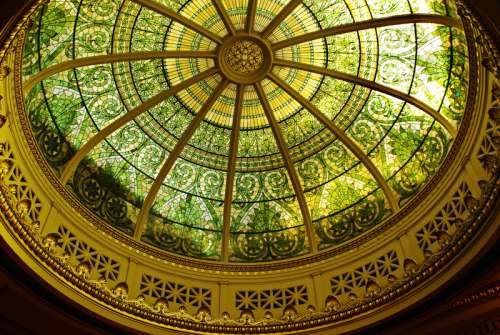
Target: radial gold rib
450	128
251	12
169	162
294	177
376	23
282	15
121	121
111	58
160	9
231	168
224	16
346	140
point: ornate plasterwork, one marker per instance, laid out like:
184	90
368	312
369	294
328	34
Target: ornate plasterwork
244	57
380	277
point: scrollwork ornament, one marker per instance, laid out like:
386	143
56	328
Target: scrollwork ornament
104	198
180	239
351	221
164	235
50	243
268	245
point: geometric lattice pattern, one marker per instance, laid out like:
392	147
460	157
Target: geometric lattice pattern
488	153
175	292
28	204
446	221
272	298
104	266
383	267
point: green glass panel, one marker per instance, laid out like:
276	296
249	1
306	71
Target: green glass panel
401	142
433	64
423	165
341	192
396	66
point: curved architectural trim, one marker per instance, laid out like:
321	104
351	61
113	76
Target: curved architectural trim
376	23
172	157
75	280
349	143
294	177
111	58
450	128
160	9
123	120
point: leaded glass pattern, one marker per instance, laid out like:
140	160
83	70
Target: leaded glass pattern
349	113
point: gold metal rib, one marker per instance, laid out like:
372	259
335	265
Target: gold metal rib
160	9
121	121
251	13
224	16
231	169
450	128
111	58
292	172
287	10
169	162
346	140
376	23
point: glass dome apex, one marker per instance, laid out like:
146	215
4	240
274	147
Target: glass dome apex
245	131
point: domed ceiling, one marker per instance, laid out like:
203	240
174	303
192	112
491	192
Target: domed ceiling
260	166
224	131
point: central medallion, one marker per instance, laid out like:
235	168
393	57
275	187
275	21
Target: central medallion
245	58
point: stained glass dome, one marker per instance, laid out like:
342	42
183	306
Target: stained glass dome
245	131
247	166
